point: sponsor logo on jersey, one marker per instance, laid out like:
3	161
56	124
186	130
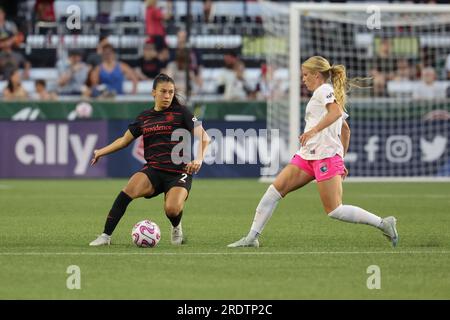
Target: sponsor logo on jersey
157	128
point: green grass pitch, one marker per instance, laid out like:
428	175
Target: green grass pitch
46	225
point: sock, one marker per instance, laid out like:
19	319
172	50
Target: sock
175	220
356	215
116	212
264	211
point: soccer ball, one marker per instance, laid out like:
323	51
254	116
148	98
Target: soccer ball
146	234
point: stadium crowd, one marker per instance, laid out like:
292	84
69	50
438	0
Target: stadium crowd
33	65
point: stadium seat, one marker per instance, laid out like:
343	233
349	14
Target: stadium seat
47	74
211	75
406	88
60	7
131	41
180	8
254	9
230	9
143	88
88	8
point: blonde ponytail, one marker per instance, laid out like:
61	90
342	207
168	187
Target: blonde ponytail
338	75
339	81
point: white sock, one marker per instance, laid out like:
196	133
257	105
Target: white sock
264	211
356	215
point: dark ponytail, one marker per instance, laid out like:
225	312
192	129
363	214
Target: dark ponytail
10	84
162	77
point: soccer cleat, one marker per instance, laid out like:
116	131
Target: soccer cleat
177	235
244	243
102	240
388	226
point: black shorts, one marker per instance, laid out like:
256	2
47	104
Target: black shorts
163	181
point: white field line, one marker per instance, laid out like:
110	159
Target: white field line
219	253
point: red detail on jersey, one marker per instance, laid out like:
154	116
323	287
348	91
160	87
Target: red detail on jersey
161	143
170	117
159	154
165	169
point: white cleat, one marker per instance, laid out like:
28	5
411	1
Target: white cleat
389	228
244	243
102	240
177	235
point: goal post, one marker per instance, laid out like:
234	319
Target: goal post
401	123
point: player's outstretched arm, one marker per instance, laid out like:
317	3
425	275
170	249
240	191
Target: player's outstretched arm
195	165
118	144
345	139
345	136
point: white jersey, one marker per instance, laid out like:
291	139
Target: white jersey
326	143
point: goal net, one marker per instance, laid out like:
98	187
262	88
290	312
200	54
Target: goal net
400	123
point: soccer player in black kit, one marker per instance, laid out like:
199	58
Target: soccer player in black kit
160	174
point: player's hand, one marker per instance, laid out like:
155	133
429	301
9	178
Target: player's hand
306	136
345	174
96	157
193	166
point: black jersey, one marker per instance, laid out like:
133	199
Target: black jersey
157	128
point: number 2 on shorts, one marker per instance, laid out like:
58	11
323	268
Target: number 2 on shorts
184	176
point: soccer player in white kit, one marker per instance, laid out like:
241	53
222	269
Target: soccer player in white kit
323	146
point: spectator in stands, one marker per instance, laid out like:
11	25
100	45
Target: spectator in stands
242	83
269	85
72	73
208	11
14	89
264	85
231	82
404	72
95	58
177	71
233	85
154	22
10	28
164	57
88	90
226	75
149	66
41	92
10	59
428	88
382	68
112	73
447	67
6	26
194	56
44	10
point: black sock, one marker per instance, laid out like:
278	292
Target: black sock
175	220
116	212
